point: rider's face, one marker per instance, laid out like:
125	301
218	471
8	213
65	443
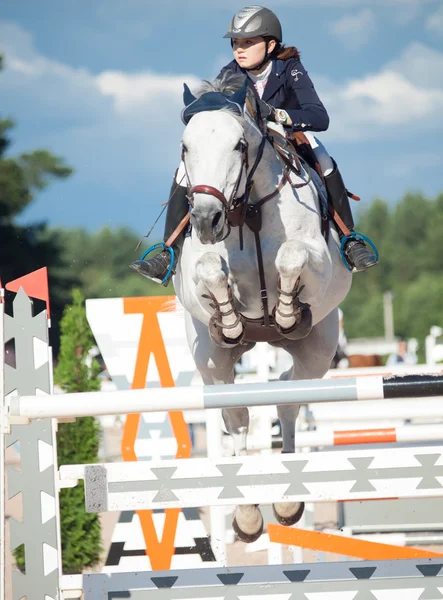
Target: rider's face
250	52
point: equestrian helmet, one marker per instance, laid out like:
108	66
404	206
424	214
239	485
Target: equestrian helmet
254	21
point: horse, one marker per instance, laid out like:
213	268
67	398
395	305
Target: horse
238	182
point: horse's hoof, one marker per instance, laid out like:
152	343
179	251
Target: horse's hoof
247	538
292	519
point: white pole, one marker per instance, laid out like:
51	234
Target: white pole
216	513
3	433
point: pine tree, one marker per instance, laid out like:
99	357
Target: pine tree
77	443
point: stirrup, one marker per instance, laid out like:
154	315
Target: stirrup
355	235
163	246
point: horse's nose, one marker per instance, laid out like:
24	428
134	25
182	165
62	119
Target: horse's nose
216	219
207	223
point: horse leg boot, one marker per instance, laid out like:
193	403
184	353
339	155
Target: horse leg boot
292	318
359	257
157	267
225	326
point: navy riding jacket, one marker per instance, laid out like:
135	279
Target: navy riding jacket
290	88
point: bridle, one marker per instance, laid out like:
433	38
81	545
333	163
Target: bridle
235	207
212	191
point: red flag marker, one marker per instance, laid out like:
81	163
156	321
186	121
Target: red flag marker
35	284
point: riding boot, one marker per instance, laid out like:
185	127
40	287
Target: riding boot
157	267
358	255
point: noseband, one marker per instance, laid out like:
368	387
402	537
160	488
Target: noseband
235	205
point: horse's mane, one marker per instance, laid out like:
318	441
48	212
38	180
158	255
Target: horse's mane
227	84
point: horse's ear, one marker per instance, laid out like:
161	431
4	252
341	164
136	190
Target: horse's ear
188	97
240	95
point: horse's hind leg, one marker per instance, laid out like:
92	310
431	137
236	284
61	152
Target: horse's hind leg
216	366
312	358
288	513
247	520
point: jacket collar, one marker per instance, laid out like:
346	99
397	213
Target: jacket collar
274	82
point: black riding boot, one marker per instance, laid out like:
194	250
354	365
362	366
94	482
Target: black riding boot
358	255
156	268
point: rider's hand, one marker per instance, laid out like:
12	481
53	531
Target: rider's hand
267	111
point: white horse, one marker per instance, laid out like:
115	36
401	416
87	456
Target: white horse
219	284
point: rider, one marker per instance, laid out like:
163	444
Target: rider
287	96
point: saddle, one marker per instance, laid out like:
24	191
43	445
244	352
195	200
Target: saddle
303	148
292	147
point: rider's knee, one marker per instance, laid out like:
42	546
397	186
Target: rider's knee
322	155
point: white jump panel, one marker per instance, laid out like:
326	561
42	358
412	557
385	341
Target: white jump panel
380	580
317	477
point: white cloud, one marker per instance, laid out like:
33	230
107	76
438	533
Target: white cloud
421	64
139	90
402	97
98	120
354	30
434	23
388	98
92	119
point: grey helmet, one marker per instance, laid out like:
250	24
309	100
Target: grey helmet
254	21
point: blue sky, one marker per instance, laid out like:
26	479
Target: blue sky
100	82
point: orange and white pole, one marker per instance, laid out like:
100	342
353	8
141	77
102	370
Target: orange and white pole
408	433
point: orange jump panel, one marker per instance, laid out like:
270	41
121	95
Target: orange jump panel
327	542
151	342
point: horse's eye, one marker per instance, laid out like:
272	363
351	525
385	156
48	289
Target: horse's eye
240	146
184	148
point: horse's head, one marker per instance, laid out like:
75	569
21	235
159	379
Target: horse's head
215	154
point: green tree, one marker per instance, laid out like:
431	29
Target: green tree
25	249
100	263
408	236
77	443
22	176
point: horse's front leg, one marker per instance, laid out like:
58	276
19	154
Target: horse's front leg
303	270
226	327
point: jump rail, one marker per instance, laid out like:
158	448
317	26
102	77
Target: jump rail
231	482
396	580
312	477
406	434
225	396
